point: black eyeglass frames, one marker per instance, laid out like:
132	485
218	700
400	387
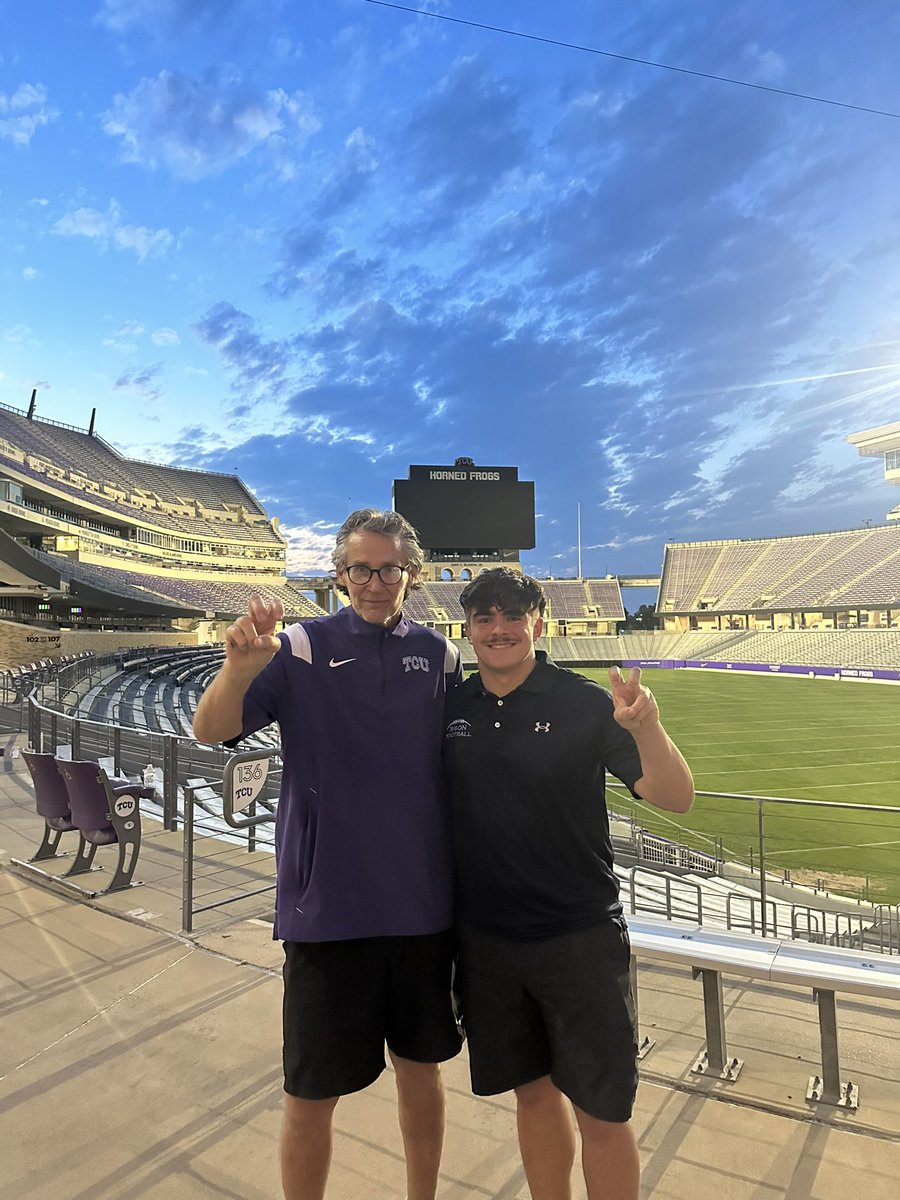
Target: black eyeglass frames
389	575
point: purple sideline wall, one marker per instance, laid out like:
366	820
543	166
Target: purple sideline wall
767	668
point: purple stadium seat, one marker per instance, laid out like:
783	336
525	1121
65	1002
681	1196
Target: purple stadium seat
51	800
104	813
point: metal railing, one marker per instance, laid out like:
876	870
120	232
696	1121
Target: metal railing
177	759
227	791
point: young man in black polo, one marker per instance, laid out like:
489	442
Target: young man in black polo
545	955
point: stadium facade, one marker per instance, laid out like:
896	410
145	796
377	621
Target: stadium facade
98	550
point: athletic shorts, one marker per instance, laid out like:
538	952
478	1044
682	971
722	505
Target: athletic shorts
558	1006
344	1000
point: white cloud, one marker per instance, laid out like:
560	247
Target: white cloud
130	329
122	15
108	229
769	66
29	273
24	112
119	15
308	551
197	128
164	337
320	430
16	333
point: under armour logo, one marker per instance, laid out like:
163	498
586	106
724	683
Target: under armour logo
542	727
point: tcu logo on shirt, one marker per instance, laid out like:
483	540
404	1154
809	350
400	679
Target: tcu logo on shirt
415	662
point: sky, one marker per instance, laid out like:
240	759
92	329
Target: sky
312	242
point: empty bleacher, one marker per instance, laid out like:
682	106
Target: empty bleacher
842	569
228	597
567	599
81	467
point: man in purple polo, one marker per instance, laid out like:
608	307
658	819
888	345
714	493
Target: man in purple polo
364	865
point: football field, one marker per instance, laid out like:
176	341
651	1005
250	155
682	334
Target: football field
801	738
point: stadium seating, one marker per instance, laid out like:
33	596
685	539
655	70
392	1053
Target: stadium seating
104	814
179	593
843	569
51	801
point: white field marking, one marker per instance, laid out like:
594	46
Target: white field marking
784	727
816	787
815	750
733	736
867	762
849	846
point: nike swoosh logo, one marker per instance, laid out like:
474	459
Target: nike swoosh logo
342	663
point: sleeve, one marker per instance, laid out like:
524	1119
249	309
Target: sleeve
618	748
262	703
453	669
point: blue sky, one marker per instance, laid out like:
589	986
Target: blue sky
313	242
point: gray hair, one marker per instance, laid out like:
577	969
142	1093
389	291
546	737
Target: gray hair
388	524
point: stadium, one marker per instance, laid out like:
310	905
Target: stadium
773	662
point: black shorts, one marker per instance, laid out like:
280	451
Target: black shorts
560	1006
344	1000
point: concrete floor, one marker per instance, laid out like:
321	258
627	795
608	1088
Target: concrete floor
137	1061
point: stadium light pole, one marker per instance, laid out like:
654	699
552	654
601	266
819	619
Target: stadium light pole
579	539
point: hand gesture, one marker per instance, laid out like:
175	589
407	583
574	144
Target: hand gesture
250	643
634	706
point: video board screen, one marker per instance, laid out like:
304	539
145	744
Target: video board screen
468	513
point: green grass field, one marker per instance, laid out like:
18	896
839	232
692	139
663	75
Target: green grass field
800	738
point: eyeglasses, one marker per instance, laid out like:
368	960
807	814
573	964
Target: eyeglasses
390	575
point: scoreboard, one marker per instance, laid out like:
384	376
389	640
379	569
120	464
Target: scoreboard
464	507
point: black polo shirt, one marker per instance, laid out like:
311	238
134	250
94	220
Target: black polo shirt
530	826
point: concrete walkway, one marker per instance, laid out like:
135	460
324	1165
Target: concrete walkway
136	1061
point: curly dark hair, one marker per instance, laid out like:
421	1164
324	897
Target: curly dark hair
503	589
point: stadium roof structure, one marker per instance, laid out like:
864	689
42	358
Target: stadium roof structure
88	457
883	441
876	441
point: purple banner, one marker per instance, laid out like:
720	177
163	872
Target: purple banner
793	669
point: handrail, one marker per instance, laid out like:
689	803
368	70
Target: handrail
236	765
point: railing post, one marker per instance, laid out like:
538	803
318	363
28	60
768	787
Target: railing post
187	862
76	739
645	1043
34	726
117	749
828	1089
762	865
170	782
714	1060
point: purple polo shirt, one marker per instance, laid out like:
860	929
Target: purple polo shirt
362	835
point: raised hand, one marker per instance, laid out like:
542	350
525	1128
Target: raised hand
634	706
250	643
